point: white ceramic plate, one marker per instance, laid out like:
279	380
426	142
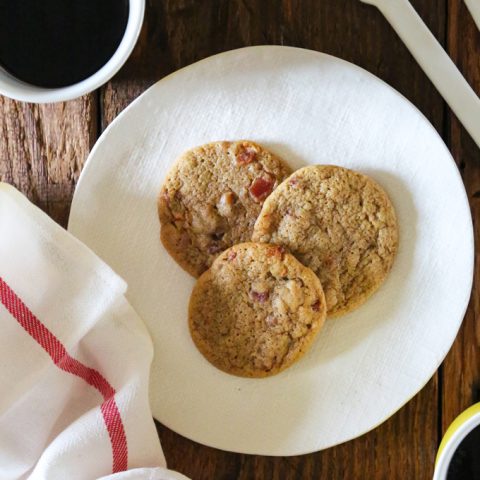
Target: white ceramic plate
309	108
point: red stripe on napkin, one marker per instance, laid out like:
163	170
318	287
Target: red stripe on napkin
50	343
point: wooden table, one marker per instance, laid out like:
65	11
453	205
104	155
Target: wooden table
43	149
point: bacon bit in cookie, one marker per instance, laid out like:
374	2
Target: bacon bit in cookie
232	256
277	251
260	297
214	248
316	306
293	181
246	155
271	321
261	188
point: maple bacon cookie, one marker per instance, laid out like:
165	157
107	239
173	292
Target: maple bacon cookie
339	223
212	197
256	310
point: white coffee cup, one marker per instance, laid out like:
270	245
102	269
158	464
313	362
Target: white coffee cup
17	89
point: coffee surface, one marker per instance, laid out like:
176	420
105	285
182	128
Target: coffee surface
465	464
55	43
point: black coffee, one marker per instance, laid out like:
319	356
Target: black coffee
55	43
465	463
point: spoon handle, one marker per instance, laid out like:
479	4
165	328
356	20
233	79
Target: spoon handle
434	61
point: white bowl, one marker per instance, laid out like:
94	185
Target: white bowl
19	90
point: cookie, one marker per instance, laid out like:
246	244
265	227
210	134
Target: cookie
212	197
256	310
339	223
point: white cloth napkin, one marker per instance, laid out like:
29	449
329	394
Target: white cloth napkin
74	359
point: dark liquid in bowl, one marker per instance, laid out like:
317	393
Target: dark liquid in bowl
465	463
55	43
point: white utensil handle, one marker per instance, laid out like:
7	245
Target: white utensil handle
474	8
434	61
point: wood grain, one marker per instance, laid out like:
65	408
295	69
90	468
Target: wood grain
43	148
461	369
